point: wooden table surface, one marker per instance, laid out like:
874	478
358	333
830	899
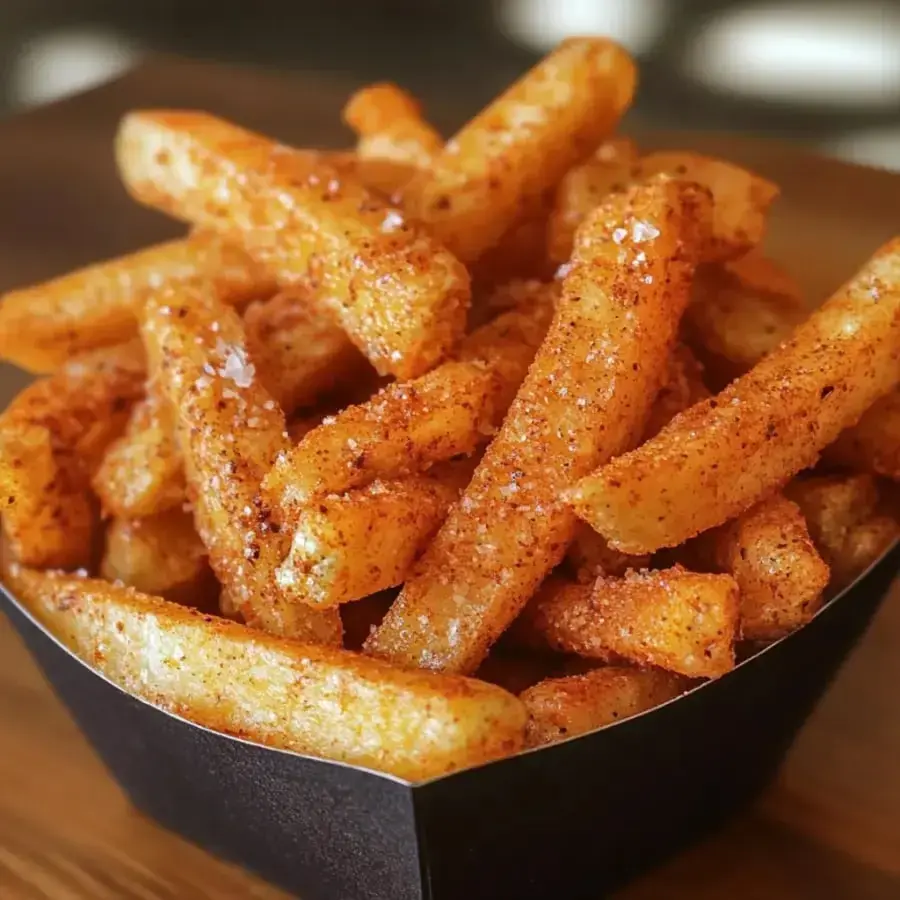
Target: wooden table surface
828	828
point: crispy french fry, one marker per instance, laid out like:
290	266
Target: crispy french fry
142	472
299	352
586	397
873	444
740	311
160	555
230	430
681	621
522	144
310	699
408	426
560	708
52	437
585	187
347	546
845	520
44	325
720	457
780	574
399	295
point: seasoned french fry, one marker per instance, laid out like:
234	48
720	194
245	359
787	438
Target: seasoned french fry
770	554
230	430
845	521
522	144
678	620
740	311
52	437
560	708
873	444
44	325
723	455
142	472
586	397
310	699
585	187
408	426
298	351
399	295
160	555
347	546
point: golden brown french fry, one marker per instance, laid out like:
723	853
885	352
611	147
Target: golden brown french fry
161	555
310	699
681	621
586	397
873	444
585	187
347	546
52	437
846	522
400	296
521	144
721	456
560	708
740	311
408	426
142	472
780	574
230	430
44	325
299	352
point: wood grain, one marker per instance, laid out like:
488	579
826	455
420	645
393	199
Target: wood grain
829	829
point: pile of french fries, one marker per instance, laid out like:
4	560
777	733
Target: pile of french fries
544	389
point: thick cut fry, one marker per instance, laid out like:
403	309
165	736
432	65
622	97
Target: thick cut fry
770	554
586	397
161	555
740	311
560	708
408	426
399	295
52	437
44	325
723	455
873	444
585	187
845	521
142	472
299	352
522	144
678	620
318	700
347	546
230	431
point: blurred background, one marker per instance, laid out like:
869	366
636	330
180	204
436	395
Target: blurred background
822	72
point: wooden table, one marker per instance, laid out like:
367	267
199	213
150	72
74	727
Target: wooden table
829	827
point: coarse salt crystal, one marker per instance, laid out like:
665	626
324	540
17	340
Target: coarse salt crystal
392	221
238	367
643	231
619	235
564	270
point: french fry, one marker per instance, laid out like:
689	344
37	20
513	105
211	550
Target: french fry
780	574
581	402
873	444
322	701
44	325
560	708
52	437
347	546
408	426
585	187
298	351
740	311
846	522
720	457
522	144
142	472
161	555
230	430
399	295
681	621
